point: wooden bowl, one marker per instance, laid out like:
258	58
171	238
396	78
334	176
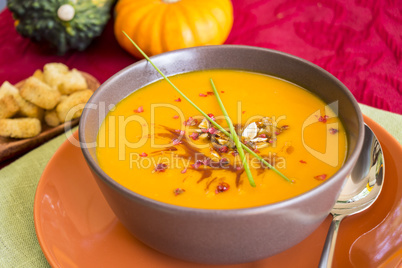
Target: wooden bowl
10	147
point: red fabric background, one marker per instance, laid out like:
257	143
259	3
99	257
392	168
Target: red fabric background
360	42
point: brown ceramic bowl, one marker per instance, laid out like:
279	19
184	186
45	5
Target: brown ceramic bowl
222	236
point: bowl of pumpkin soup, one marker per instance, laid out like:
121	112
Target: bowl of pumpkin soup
174	176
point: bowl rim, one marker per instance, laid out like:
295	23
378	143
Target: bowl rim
342	172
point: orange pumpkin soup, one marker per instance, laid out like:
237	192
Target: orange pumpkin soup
158	145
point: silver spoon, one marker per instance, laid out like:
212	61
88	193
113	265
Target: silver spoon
361	189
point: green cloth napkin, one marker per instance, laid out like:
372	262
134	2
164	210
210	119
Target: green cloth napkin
19	246
18	181
389	121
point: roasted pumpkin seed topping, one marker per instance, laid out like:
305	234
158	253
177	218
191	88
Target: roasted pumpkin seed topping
256	135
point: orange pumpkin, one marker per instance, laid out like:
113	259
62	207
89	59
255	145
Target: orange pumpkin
163	25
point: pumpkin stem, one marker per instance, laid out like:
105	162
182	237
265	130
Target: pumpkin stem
66	12
170	1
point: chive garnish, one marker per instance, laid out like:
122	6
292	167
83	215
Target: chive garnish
234	136
204	114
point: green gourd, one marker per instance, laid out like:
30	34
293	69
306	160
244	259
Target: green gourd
63	24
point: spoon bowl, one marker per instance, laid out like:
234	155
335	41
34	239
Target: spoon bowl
361	189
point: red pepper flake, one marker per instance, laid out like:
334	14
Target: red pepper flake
223	162
211	116
194	136
243	112
210	93
160	167
222	187
181	132
256	150
333	131
277	133
284	127
303	162
144	154
222	91
224	149
176	142
323	119
203	95
139	110
204	130
235	153
190	122
271	141
176	117
178	191
262	136
178	100
212	130
197	164
207	162
183	171
320	177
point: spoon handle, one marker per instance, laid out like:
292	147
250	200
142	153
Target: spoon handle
329	246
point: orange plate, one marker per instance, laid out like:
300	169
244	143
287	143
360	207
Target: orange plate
76	228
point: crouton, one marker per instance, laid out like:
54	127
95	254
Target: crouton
20	127
51	118
25	107
40	93
63	97
73	105
73	81
8	106
7	89
39	74
56	66
53	74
